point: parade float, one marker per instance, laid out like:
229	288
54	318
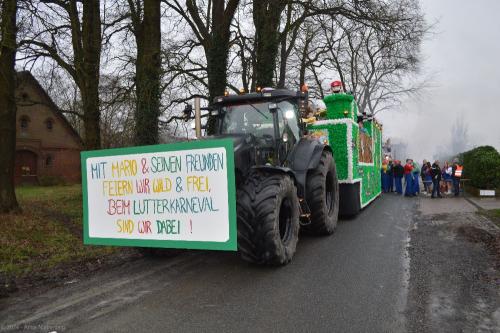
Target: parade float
356	144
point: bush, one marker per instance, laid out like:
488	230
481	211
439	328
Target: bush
482	167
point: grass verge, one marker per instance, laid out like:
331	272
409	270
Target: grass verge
46	236
492	214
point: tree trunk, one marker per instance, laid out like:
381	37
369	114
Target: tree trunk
304	60
8	47
148	70
283	58
213	32
217	67
266	17
217	51
91	115
88	69
284	52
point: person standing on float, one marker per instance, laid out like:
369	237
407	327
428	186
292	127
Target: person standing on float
336	87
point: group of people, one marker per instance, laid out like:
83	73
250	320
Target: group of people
434	177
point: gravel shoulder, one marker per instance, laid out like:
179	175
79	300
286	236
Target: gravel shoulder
454	269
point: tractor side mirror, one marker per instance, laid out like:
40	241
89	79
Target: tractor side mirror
188	112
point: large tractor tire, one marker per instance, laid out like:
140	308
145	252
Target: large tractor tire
268	218
322	193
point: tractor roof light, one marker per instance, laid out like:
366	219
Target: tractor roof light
242	91
267	92
226	93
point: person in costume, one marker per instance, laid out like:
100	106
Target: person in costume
423	170
398	172
390	176
336	87
447	172
428	177
416	178
436	179
384	176
408	168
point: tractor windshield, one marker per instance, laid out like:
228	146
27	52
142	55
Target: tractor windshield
256	119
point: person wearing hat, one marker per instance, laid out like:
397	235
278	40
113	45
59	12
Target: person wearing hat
336	87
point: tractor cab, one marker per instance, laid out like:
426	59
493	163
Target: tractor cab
268	121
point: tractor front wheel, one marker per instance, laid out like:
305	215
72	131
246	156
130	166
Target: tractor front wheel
268	218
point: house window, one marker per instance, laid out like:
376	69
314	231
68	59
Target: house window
49	123
24	121
25	170
49	160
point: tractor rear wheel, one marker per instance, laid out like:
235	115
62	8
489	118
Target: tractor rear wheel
268	218
322	189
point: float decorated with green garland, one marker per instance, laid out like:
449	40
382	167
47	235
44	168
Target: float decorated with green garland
356	142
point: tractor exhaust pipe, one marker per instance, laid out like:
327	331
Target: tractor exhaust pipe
197	117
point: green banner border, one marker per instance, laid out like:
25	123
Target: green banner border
227	144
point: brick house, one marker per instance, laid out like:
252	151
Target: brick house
46	144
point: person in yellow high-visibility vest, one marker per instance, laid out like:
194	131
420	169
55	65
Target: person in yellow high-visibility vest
456	174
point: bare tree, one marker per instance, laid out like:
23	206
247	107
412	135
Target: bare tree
69	32
288	37
118	105
459	137
268	19
375	64
210	22
8	48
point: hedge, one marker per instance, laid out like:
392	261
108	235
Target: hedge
482	167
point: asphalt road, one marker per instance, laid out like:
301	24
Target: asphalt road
357	280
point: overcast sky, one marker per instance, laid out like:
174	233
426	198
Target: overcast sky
463	58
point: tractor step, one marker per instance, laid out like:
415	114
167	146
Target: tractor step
305	213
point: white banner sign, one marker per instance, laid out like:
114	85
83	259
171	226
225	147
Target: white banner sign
179	195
